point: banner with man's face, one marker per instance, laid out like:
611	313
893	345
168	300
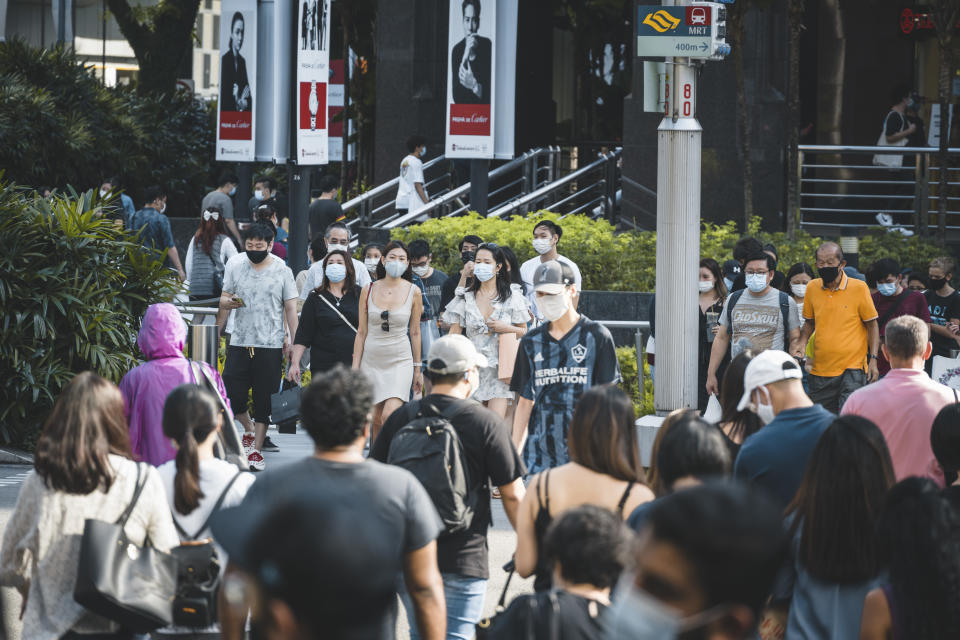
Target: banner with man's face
238	77
471	79
313	76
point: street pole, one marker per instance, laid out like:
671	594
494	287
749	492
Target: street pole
479	185
299	204
678	243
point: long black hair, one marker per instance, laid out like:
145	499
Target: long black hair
514	265
190	415
839	502
918	536
502	277
382	270
743	424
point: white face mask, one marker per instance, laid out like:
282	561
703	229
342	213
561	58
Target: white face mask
764	411
371	264
756	282
395	268
637	615
799	290
163	207
553	306
729	283
335	272
258	194
542	245
704	285
332	245
421	270
483	271
103	193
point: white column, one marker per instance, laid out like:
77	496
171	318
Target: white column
678	245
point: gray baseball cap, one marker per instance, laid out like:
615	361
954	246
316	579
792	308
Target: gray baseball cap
454	354
552	277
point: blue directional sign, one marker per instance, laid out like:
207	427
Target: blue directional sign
675	31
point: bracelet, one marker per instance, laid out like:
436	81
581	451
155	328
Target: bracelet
871	356
417	365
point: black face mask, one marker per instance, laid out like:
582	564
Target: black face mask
828	274
936	283
467	256
256	257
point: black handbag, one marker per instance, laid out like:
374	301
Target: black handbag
133	586
285	407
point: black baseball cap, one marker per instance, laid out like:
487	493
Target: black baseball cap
552	277
731	269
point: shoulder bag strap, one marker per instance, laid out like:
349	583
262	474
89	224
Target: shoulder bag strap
623	498
731	303
785	314
216	507
138	489
893	309
337	311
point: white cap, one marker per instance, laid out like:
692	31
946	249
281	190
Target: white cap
454	353
769	366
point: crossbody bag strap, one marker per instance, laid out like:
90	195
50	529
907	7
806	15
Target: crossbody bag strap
337	311
137	490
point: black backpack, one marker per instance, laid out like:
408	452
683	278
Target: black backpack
430	448
198	574
784	313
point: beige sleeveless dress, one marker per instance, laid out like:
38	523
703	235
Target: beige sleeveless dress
387	355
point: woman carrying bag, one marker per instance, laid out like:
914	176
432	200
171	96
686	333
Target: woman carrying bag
82	471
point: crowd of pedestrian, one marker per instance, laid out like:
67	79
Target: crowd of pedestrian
820	501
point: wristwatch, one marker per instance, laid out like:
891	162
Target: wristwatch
871	356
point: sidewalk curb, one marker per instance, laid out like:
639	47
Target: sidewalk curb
12	456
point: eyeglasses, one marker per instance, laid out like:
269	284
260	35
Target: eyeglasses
385	316
757	273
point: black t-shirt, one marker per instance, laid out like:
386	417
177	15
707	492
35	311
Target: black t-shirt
323	213
489	453
408	521
942	309
740	282
574	618
433	287
328	336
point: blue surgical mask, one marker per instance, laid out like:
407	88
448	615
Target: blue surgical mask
395	268
258	194
637	615
756	282
335	272
233	191
483	271
887	288
729	283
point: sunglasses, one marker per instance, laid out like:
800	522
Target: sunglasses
385	316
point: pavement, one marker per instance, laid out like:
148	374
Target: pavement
293	447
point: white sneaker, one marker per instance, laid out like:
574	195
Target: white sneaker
248	444
255	460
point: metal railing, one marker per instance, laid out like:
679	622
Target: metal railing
841	186
593	189
640	337
380	201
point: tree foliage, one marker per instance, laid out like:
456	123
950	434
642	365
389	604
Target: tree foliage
59	126
73	287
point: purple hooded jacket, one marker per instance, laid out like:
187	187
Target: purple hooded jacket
145	388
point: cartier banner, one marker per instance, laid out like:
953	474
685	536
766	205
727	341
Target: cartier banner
238	76
471	79
313	75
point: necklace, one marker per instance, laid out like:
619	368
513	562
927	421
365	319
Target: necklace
339	299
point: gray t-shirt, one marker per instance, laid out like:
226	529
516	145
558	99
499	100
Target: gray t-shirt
758	323
220	199
259	322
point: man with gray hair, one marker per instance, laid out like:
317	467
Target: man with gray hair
904	403
337	237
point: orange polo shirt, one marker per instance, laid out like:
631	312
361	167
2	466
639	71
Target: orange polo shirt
839	315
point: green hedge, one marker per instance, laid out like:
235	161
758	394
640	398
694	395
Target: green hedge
611	261
72	290
642	404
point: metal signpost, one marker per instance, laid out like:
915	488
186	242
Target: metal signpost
690	34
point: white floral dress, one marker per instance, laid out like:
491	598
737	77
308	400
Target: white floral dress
463	310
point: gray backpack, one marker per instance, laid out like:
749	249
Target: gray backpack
430	448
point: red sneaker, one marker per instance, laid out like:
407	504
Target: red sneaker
255	460
248	446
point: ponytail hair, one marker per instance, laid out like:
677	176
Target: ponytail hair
190	415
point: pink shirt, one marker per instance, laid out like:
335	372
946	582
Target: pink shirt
903	405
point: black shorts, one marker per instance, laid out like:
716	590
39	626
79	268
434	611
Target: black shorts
252	367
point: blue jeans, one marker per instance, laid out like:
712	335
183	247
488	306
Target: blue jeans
464	596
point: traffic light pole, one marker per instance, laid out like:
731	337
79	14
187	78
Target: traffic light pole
678	243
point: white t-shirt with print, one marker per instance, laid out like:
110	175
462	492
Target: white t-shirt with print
758	323
411	172
259	322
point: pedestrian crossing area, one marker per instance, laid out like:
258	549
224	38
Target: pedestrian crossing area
14	480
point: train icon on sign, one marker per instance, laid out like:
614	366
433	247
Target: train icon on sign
698	16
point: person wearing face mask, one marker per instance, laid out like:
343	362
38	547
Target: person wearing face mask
154	228
387	345
262	292
411	193
491	307
371	258
546	237
468	249
703	566
892	301
264	192
731	270
207	255
222	197
897	130
712	293
432	288
759	317
775	456
943	302
798	277
337	238
750	246
453	366
839	308
107	187
556	362
329	319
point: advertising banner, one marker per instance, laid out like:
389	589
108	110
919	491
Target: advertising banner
335	105
313	76
506	78
238	76
471	79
